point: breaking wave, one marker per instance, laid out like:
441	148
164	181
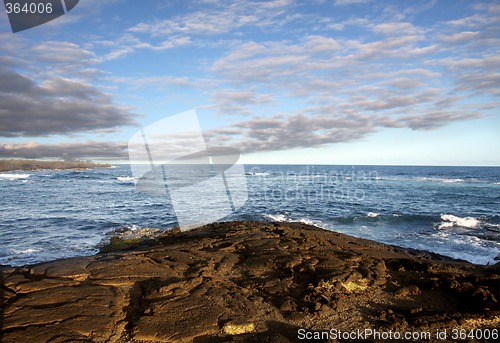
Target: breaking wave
284	218
127	178
13	177
449	221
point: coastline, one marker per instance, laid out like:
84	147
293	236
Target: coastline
246	281
36	165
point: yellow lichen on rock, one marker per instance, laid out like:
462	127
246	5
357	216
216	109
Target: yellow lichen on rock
352	286
238	329
481	322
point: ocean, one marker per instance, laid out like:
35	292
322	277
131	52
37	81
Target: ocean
452	211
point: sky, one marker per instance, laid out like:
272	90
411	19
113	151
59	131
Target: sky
283	81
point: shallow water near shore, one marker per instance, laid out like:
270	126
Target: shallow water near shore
452	211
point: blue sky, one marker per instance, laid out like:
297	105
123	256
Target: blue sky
284	81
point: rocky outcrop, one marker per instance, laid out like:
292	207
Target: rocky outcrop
245	282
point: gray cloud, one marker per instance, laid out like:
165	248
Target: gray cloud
62	53
294	131
68	151
459	37
55	106
481	82
239	101
50	88
435	119
323	125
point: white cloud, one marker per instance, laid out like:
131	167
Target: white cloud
219	18
350	2
395	28
318	44
230	101
62	53
459	37
404	83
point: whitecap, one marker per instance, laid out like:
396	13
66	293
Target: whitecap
24	251
13	177
256	174
449	221
373	214
464	247
284	219
452	180
436	179
126	178
277	217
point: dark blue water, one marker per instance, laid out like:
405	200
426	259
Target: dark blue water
452	211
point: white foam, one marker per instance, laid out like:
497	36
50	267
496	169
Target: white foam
424	179
284	219
25	251
373	214
452	180
12	177
438	179
449	221
131	232
465	247
276	217
307	221
256	174
126	178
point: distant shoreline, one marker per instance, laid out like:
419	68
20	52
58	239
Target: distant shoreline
36	165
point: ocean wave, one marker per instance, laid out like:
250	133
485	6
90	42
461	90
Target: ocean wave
437	179
256	174
427	179
282	218
25	251
127	178
277	217
449	221
465	247
13	177
452	180
394	218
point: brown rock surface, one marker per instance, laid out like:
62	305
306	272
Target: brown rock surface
245	282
